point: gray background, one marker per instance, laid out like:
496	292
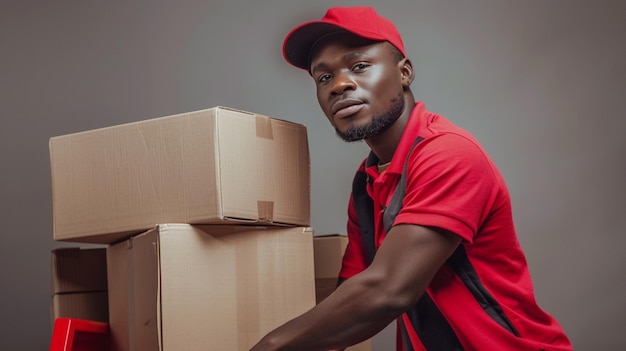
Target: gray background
540	83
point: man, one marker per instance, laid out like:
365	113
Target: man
448	265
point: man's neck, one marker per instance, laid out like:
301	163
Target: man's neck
384	145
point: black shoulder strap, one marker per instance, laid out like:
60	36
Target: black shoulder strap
395	204
364	205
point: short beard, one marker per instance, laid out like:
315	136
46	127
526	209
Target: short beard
378	124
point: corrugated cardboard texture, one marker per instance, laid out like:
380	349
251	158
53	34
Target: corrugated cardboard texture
198	287
79	284
91	306
78	270
212	166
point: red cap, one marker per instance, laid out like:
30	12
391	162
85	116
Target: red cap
359	20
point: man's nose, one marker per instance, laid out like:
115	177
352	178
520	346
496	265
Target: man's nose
342	82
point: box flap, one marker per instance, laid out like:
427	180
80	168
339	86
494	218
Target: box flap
146	302
133	292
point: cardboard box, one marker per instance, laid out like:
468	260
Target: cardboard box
328	253
79	284
214	166
91	306
183	287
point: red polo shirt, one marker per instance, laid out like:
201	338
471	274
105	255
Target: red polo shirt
488	303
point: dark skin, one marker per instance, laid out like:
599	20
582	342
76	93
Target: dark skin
355	86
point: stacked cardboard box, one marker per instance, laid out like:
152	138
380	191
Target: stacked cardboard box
205	218
79	284
210	287
215	166
328	252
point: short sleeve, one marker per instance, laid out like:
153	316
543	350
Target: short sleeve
451	184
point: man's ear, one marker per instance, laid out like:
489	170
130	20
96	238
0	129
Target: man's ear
406	70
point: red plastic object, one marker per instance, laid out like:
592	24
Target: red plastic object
72	334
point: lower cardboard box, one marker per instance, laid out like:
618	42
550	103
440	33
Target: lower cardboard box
92	306
328	252
207	287
79	283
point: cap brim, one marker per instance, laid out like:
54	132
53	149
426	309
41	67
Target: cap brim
299	42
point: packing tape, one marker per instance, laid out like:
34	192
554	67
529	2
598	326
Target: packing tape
264	127
265	210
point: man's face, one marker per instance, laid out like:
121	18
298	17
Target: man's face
359	85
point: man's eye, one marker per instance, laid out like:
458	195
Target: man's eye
323	78
360	66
